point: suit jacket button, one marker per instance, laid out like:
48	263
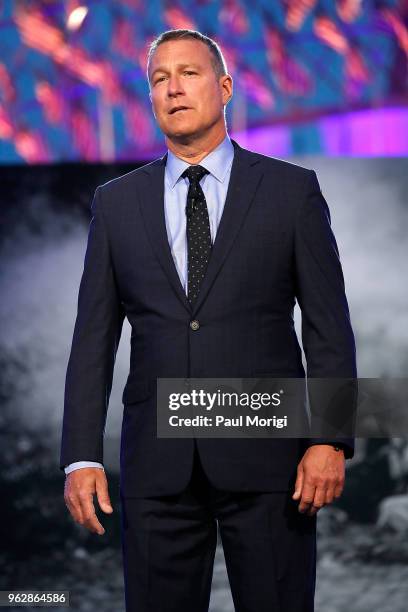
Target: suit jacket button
194	325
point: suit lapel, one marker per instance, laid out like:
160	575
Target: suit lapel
154	218
246	174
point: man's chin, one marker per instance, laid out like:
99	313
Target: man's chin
181	135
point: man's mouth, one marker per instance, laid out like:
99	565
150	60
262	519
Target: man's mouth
177	108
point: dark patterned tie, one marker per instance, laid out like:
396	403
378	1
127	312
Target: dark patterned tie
198	231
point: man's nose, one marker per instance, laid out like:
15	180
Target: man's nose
174	86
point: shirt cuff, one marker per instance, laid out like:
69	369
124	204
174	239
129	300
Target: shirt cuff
77	465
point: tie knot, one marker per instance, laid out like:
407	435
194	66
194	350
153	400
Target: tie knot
194	173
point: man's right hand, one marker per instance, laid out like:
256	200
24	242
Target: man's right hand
80	487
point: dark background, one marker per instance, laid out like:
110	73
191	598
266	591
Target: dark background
45	214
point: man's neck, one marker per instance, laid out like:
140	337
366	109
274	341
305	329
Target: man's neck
194	151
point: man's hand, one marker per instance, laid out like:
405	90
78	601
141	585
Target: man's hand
320	478
80	487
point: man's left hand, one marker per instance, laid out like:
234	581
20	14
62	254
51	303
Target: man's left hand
320	478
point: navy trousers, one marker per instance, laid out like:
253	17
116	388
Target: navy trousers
169	543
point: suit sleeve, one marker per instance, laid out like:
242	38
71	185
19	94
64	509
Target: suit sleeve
95	341
327	335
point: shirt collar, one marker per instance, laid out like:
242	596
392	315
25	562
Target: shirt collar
217	162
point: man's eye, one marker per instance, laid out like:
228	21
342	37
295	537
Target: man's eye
159	79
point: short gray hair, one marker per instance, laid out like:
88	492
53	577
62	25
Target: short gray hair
217	58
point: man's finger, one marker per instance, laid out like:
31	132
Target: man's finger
72	503
298	483
319	500
102	494
338	489
319	496
74	509
329	495
92	524
91	521
308	493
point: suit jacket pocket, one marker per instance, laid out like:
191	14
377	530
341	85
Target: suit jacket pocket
136	391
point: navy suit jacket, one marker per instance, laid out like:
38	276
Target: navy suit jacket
274	246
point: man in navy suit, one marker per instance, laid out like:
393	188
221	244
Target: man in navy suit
268	242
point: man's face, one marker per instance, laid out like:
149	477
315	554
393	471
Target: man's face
181	75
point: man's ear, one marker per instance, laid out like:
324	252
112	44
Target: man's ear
227	86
